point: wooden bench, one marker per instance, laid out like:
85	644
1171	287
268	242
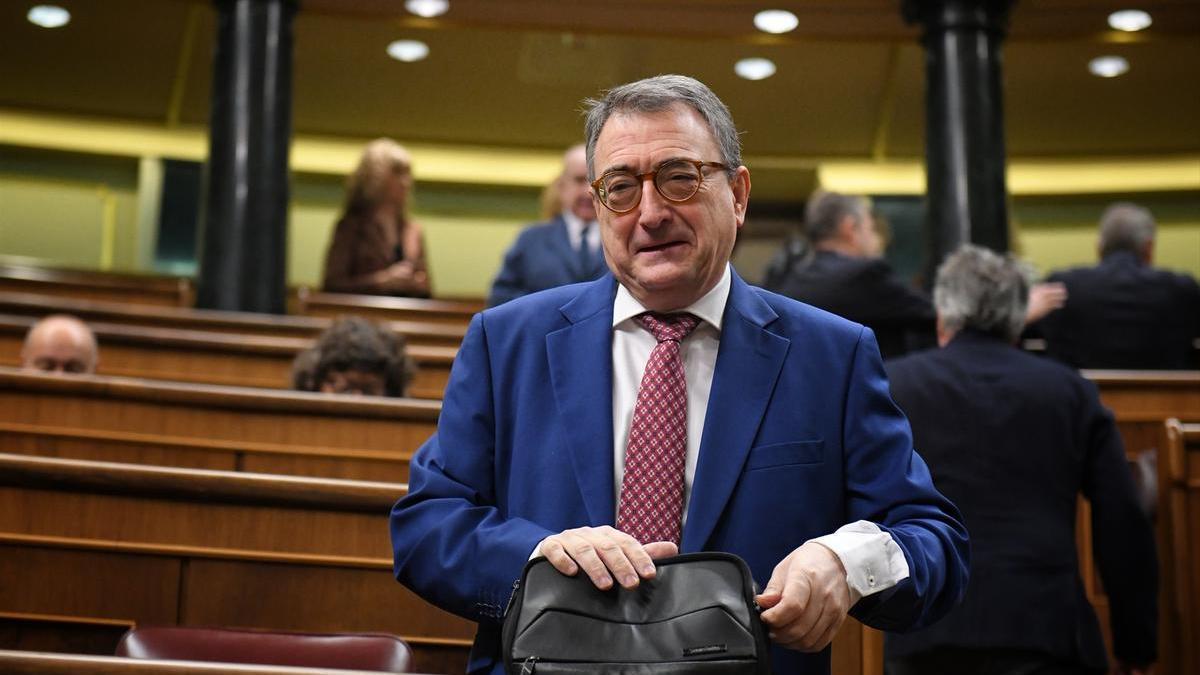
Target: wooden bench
21	275
166	546
186	355
89	544
242	323
309	302
14	662
1180	470
1140	401
176	424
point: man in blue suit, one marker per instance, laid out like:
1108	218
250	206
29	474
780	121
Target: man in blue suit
564	250
792	454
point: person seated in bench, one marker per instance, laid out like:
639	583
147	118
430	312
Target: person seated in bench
354	356
60	343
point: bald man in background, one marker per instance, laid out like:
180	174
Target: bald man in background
564	250
60	343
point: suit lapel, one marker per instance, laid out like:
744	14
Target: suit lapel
748	363
581	377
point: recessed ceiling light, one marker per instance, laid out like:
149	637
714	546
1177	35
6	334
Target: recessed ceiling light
408	50
48	16
1108	66
1129	20
775	21
754	68
427	8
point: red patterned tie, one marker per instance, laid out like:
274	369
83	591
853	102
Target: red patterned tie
651	507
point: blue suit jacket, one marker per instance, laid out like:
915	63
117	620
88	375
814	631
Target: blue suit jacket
801	437
541	258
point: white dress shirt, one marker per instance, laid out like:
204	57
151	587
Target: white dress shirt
873	560
575	231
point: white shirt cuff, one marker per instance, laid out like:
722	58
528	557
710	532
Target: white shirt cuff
537	550
873	560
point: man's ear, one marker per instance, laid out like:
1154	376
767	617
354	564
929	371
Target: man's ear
847	228
741	194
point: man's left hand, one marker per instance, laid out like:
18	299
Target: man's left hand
807	599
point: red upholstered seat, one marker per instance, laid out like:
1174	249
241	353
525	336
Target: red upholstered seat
354	651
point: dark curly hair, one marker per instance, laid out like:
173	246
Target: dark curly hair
354	343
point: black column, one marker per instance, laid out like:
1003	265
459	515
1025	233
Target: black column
964	123
243	241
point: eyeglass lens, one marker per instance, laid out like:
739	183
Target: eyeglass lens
676	181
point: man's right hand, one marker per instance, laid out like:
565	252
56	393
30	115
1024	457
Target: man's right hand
604	554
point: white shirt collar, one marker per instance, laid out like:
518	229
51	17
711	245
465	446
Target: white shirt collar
575	230
710	308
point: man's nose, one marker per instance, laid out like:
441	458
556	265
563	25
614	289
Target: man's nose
654	209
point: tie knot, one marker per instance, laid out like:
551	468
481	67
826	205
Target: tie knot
667	327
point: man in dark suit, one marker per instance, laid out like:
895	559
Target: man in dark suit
1012	438
844	274
760	426
564	250
1123	313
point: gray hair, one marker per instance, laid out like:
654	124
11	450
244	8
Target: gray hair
979	289
657	94
825	210
1125	226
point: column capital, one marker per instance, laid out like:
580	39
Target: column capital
943	15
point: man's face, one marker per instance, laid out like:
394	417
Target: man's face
354	382
870	244
669	254
573	189
58	349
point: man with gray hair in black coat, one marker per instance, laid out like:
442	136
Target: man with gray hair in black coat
1012	439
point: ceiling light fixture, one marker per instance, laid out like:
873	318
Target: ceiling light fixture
775	21
754	68
1129	20
408	50
427	8
1108	66
48	16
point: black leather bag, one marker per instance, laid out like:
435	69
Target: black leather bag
697	616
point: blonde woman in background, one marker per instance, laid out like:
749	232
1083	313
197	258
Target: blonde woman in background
376	247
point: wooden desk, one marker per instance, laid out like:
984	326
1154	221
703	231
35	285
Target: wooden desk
207	357
242	323
154	545
209	426
1142	399
145	289
13	662
309	302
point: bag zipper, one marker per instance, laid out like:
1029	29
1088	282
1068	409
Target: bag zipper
528	665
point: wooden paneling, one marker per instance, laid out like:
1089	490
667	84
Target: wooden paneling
243	323
303	421
1180	472
110	584
143	289
152	545
1142	400
201	453
207	357
53	633
13	662
308	302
